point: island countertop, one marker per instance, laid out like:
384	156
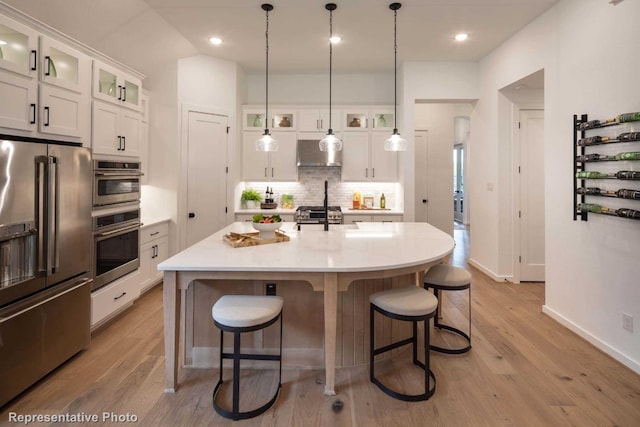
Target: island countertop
328	260
367	246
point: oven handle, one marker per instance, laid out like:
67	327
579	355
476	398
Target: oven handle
120	230
123	174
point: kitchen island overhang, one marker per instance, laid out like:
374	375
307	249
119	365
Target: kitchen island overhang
330	261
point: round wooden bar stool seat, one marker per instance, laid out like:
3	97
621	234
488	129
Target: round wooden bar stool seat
238	314
449	278
410	304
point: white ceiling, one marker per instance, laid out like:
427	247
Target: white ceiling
147	33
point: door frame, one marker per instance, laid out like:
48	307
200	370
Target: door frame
517	182
417	201
183	175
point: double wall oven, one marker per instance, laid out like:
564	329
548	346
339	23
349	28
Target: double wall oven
116	220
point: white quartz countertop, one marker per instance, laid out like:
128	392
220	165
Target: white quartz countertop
344	248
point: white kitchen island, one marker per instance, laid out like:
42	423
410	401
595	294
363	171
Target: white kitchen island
330	261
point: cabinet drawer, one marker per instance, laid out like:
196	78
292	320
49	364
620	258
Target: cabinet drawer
111	298
153	231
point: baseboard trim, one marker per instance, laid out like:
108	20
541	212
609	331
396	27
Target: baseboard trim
488	272
592	339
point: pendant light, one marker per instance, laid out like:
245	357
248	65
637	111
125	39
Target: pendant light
330	142
395	142
266	142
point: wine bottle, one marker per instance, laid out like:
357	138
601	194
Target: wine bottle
634	175
591	207
628	194
633	155
589	191
593	140
629	136
592	175
622	118
588	158
628	213
628	117
383	201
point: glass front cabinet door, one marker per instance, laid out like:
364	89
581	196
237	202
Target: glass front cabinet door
18	47
115	86
63	66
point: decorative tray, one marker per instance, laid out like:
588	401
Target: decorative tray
268	205
238	240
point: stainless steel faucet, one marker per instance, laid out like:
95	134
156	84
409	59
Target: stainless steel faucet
326	206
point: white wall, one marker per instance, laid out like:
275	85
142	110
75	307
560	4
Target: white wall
438	119
210	85
591	266
429	81
313	89
159	198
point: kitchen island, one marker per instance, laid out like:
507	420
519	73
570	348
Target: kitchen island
328	260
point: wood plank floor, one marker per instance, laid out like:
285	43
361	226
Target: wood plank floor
524	370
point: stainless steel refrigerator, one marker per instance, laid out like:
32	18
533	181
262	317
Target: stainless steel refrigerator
45	259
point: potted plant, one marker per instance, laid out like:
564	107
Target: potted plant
250	198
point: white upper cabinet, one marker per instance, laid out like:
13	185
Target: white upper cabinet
64	67
360	118
275	166
63	112
18	101
18	47
365	158
115	86
115	131
311	120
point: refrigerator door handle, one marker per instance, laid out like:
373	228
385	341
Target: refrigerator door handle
53	213
41	169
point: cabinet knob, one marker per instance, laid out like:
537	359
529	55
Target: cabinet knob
192	214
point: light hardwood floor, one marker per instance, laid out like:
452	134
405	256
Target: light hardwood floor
524	370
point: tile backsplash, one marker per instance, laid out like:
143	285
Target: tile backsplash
309	189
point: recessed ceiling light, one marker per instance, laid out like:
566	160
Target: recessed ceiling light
335	39
461	37
215	40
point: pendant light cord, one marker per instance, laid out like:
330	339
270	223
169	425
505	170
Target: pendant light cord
266	105
395	73
330	63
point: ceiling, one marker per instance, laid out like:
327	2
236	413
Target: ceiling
147	33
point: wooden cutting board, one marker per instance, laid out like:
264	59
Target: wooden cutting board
239	240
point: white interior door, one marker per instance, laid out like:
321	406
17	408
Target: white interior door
422	176
531	258
206	175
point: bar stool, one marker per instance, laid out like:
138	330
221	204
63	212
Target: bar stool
449	278
410	304
238	314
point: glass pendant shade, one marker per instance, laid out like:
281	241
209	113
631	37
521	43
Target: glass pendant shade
266	142
395	142
330	142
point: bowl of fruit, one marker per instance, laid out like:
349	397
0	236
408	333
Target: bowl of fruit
267	225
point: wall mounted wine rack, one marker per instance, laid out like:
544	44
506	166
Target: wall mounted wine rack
583	138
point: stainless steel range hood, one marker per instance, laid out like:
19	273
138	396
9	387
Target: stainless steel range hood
309	154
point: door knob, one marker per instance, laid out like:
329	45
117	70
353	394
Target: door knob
425	200
192	214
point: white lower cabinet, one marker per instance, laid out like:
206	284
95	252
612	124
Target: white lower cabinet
108	301
350	219
154	248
